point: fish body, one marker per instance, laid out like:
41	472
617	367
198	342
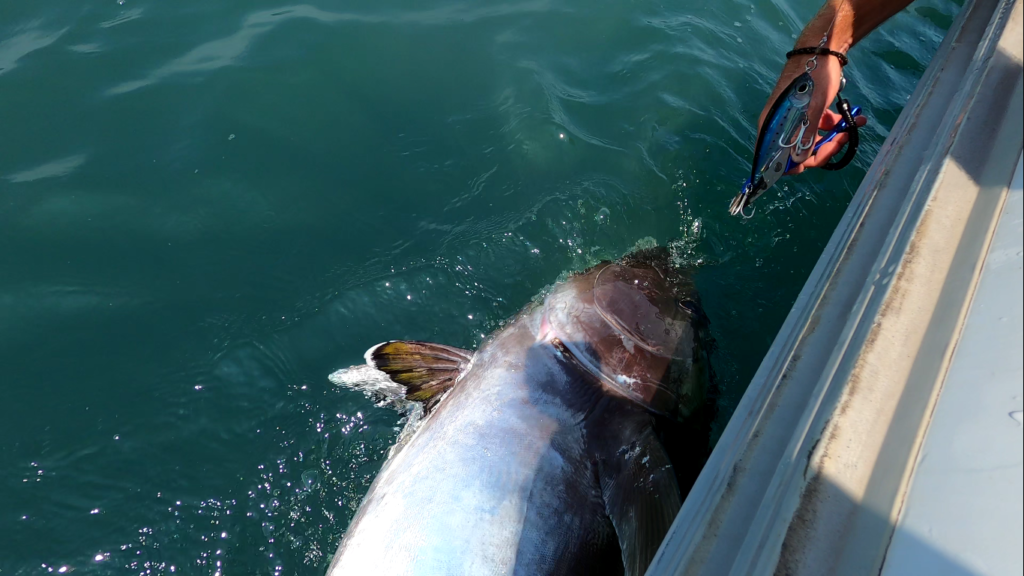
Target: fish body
544	455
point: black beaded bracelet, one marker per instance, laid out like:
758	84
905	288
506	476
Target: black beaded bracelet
819	51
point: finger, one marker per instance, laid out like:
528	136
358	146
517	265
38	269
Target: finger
799	167
827	151
829	120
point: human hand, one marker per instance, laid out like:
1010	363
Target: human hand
827	76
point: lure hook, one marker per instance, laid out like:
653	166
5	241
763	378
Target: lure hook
799	139
800	148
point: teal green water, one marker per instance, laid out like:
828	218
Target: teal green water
207	207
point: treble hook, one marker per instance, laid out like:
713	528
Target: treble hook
799	140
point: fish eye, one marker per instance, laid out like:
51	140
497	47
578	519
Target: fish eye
801	88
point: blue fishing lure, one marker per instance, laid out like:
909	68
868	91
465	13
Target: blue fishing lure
782	135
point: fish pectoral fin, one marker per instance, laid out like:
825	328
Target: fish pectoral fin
641	497
424	369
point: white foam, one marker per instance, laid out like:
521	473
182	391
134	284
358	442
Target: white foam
385	393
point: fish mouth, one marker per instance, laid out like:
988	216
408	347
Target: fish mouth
654	395
640	306
630	326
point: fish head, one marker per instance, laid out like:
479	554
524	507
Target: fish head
802	89
636	327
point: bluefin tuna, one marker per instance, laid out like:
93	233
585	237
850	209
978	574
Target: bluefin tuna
562	446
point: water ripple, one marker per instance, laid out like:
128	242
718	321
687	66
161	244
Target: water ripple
127	16
173	297
17	47
52	169
228	51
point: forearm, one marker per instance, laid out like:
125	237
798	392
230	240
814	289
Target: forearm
853	20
